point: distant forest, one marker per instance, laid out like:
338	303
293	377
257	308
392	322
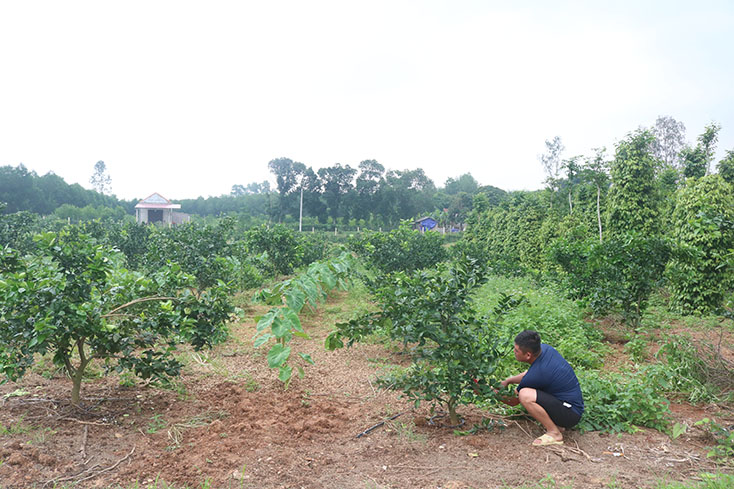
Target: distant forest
367	196
371	196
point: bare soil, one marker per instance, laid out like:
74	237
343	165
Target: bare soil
230	422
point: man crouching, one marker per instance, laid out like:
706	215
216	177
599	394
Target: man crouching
548	389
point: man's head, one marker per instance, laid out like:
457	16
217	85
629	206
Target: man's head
527	346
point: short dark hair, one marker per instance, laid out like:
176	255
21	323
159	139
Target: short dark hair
528	341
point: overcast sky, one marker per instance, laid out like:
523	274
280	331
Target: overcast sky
189	98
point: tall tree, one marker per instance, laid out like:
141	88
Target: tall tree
551	161
412	192
595	171
258	188
459	208
253	188
696	161
17	189
670	139
371	174
573	169
101	181
312	191
726	167
237	190
285	177
633	198
464	183
288	176
337	182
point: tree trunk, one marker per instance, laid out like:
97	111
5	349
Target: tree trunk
76	387
300	212
453	417
598	210
570	203
77	374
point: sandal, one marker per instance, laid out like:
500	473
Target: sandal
546	440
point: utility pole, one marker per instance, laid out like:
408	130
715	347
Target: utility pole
300	211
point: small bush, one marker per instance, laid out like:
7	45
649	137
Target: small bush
403	249
690	369
281	245
621	402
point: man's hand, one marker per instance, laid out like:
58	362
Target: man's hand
510	401
506	396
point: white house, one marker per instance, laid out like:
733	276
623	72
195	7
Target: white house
157	208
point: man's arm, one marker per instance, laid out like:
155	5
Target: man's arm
515	379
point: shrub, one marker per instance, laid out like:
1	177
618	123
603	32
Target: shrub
73	296
202	250
403	249
622	401
454	351
282	246
619	273
701	273
559	321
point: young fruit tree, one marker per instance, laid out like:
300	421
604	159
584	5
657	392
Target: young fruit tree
73	299
455	353
282	323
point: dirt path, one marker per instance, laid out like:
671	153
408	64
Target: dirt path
235	426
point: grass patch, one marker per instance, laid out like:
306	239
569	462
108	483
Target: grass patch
405	432
559	321
17	428
708	481
176	431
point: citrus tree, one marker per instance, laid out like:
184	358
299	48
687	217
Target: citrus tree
403	249
207	251
74	299
455	352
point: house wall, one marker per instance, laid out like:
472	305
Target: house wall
180	217
169	217
141	216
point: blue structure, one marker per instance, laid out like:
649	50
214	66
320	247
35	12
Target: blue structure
425	224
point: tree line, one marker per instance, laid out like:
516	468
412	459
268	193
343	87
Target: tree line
366	196
374	197
23	190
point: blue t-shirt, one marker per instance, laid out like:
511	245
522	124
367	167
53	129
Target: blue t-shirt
551	373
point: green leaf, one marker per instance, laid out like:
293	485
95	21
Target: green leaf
264	322
333	341
285	373
302	334
281	328
293	320
307	357
294	299
262	340
278	355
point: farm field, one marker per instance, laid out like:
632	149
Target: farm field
227	422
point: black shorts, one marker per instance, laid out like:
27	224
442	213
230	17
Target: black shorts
560	412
